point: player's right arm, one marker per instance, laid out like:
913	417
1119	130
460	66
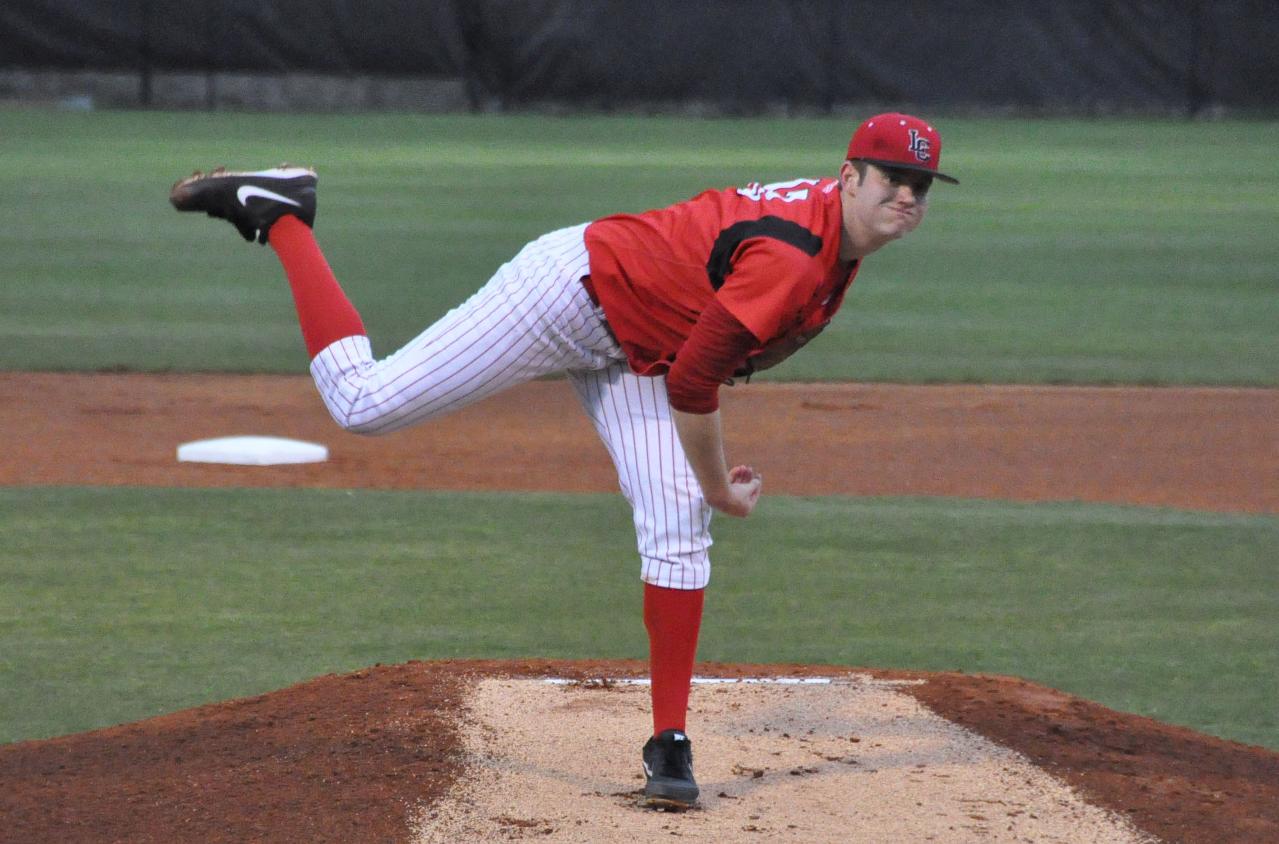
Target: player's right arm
717	346
733	493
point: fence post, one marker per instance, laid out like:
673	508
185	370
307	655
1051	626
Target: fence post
1199	65
146	60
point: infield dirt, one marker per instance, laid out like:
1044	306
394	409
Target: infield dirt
1203	449
364	757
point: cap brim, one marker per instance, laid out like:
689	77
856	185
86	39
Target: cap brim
897	165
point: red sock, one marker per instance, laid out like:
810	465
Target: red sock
326	315
673	618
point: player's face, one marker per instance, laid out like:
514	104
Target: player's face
886	205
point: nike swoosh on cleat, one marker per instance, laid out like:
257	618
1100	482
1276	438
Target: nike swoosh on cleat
647	770
246	192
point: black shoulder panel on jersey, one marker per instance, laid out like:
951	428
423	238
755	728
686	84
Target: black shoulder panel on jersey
720	263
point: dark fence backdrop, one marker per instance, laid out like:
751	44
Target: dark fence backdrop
738	55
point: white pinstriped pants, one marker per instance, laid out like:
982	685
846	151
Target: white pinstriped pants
533	318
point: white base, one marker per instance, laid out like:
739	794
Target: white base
252	451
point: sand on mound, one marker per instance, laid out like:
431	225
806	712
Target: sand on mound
852	760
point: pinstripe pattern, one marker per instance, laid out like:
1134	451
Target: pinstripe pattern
672	521
533	318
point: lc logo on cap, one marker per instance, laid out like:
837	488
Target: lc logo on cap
919	145
900	141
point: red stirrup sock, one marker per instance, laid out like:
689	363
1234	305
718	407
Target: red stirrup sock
324	312
673	618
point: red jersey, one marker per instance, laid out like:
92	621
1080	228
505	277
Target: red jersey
768	253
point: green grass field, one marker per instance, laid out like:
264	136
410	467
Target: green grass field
1086	252
1103	251
120	604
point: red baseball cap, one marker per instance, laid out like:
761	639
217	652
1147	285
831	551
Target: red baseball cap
899	141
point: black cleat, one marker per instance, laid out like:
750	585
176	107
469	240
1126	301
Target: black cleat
668	771
251	201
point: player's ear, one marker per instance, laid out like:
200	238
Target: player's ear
849	178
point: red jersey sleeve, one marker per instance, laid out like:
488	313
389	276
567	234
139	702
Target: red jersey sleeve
769	285
716	347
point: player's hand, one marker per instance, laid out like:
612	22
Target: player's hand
744	485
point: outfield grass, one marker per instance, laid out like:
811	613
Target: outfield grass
120	604
1075	251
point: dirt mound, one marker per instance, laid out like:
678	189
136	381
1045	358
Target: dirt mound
357	757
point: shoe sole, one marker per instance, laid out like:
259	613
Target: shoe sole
670	796
667	804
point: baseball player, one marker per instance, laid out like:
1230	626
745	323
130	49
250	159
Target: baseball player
647	315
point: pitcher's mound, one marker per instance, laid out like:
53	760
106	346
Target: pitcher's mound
845	760
476	751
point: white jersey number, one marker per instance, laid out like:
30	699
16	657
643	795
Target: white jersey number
785	191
